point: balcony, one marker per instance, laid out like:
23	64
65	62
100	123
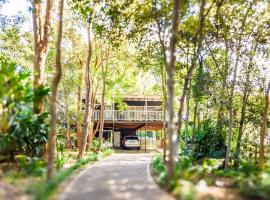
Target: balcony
130	115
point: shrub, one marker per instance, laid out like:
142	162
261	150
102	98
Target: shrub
21	131
209	142
160	170
256	186
31	166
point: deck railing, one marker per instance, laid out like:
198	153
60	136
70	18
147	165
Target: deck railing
130	115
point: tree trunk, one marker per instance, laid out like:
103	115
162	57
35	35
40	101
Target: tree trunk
264	127
91	133
67	120
103	73
88	113
170	67
220	120
194	124
243	114
231	94
55	82
187	114
163	85
197	50
102	112
199	117
79	108
41	43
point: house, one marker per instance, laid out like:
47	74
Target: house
142	116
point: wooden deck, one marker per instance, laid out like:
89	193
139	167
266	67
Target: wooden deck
130	115
131	119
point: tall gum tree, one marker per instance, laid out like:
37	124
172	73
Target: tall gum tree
88	89
54	87
233	83
42	29
170	68
264	127
198	46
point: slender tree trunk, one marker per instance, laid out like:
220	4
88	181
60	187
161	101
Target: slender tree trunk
243	115
199	117
164	83
197	50
91	133
231	94
79	108
102	112
41	44
194	124
55	82
264	127
67	120
170	67
102	103
88	113
187	114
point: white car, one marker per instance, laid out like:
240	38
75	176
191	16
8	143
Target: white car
129	142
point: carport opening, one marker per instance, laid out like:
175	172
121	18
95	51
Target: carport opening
149	139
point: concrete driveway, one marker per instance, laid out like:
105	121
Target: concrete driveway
120	176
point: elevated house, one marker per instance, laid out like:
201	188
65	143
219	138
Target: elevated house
142	116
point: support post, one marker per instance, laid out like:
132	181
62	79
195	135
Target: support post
145	136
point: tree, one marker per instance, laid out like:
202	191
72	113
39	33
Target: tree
198	47
170	68
88	102
264	126
232	85
41	45
54	86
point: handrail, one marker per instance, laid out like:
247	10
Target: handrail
129	115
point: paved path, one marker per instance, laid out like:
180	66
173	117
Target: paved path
121	176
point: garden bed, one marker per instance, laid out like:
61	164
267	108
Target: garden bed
20	184
205	181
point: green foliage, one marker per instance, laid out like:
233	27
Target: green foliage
20	130
256	186
60	147
160	170
31	166
209	142
95	145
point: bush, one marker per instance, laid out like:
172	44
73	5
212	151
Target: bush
209	142
31	166
256	186
21	131
160	170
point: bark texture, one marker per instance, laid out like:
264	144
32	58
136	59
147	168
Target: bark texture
88	113
54	87
197	50
41	46
79	108
264	127
170	67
